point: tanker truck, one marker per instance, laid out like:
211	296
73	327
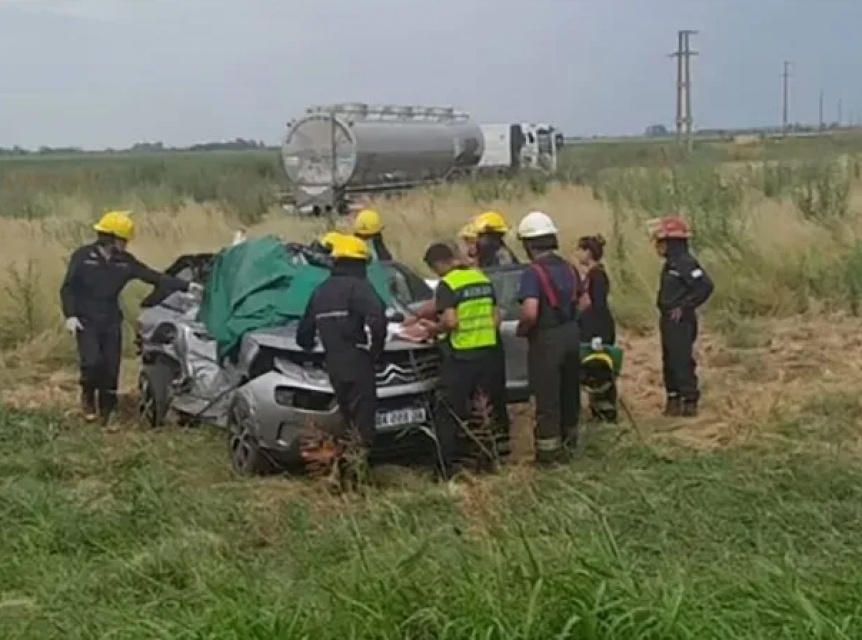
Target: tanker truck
335	153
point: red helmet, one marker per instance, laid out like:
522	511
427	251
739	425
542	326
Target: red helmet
669	227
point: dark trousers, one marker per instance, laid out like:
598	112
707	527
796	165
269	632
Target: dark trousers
357	402
677	353
554	370
463	381
100	351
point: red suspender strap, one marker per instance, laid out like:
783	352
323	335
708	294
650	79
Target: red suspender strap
545	284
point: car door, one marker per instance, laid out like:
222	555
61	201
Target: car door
506	280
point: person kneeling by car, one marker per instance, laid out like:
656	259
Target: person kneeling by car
350	318
89	296
473	359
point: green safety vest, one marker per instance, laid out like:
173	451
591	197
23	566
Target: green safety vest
475	308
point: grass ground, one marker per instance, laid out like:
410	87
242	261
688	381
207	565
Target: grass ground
741	523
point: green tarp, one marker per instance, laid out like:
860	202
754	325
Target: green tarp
258	285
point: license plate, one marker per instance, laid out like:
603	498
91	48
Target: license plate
400	418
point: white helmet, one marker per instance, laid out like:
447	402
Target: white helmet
535	225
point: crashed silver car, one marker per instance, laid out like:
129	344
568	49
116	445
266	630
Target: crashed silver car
273	392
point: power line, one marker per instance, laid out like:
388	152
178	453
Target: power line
785	76
822	123
684	119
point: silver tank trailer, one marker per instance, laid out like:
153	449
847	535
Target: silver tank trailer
379	147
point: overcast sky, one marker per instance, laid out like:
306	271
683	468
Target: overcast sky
98	73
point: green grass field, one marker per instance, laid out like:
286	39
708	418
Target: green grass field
743	523
147	536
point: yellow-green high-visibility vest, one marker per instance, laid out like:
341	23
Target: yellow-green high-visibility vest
474	296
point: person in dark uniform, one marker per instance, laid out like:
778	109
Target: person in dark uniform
473	359
89	295
684	287
597	328
350	318
491	249
550	291
369	227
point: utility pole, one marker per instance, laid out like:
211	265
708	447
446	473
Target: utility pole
785	77
840	113
683	54
822	124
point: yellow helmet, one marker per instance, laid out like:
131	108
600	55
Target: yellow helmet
468	231
367	223
329	239
116	223
491	221
350	247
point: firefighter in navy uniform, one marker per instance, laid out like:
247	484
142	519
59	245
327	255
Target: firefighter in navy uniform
473	359
89	296
684	287
369	227
491	250
550	292
350	319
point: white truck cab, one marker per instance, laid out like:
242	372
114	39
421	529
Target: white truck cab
510	148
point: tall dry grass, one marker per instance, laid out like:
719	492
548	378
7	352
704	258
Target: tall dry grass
771	253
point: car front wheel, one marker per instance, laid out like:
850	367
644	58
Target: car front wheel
247	457
154	394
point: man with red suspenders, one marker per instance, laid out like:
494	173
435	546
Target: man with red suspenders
550	293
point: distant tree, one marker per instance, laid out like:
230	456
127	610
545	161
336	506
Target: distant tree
656	131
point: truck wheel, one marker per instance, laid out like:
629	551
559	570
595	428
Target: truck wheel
154	394
247	457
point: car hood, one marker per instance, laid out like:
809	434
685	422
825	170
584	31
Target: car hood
284	339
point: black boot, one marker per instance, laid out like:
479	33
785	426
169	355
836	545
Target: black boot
689	408
555	457
107	405
88	403
673	407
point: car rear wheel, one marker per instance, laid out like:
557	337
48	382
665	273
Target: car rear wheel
247	457
154	394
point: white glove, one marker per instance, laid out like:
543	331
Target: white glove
596	343
73	325
196	289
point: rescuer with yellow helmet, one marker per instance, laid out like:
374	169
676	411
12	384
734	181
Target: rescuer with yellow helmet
468	236
325	242
368	226
89	295
683	288
491	250
473	361
350	318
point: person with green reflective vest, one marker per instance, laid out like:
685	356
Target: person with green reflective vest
473	373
